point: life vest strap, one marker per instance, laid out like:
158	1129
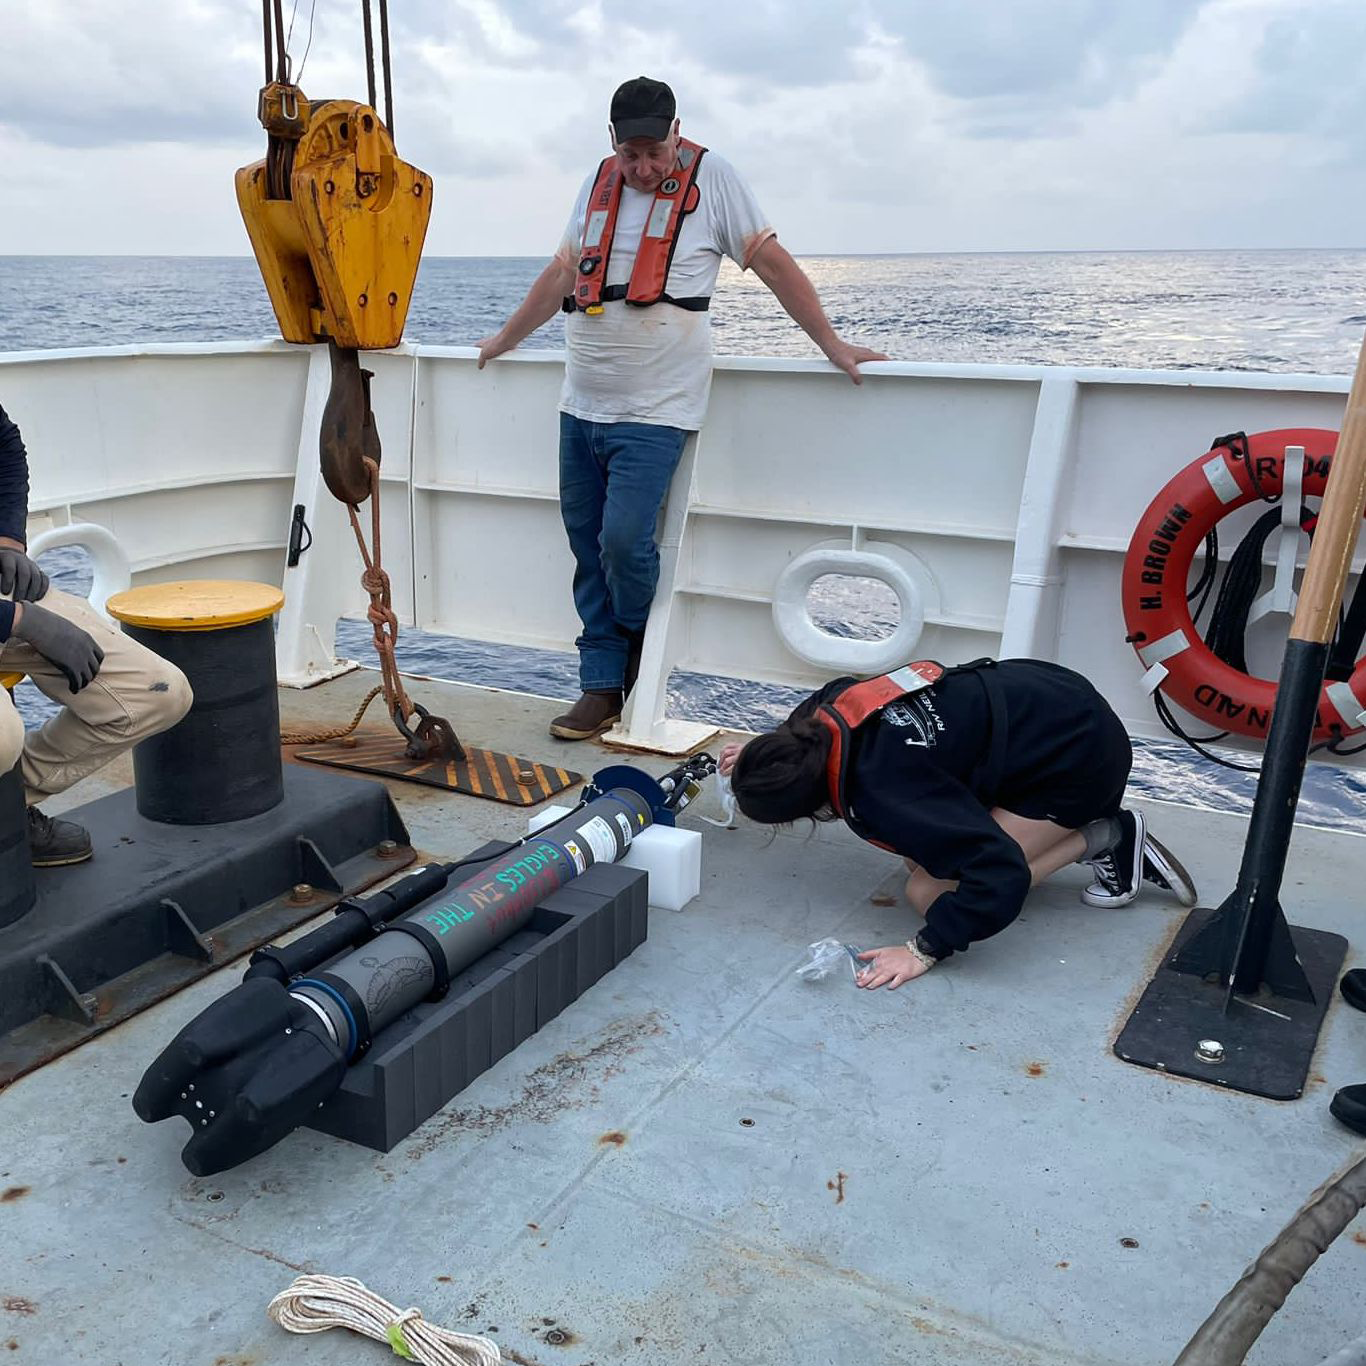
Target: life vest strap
614	293
843	715
678	196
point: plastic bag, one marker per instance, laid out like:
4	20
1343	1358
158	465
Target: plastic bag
826	956
727	800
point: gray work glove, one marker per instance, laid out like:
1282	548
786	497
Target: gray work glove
61	643
20	577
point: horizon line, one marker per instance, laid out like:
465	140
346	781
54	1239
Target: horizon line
805	255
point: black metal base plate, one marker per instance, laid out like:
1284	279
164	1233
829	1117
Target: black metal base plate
161	905
1268	1041
481	773
429	1055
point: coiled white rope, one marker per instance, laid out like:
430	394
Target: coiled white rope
313	1304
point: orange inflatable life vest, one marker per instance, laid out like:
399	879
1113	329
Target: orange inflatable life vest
1156	569
844	714
675	199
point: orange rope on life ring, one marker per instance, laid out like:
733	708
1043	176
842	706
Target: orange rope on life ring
1157	614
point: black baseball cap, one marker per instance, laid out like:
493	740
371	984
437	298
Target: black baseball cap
643	108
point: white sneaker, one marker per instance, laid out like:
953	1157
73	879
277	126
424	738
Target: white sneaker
1163	869
1119	871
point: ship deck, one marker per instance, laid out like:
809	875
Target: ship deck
708	1159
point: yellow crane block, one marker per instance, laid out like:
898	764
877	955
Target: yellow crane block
340	254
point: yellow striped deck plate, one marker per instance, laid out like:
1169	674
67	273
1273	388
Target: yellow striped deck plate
482	773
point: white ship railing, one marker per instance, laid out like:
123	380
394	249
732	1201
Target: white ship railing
996	500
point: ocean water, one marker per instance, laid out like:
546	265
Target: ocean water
1242	310
1235	310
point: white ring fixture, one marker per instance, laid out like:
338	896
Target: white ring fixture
901	571
111	570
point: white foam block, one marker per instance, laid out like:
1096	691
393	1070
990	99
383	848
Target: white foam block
671	857
547	815
673	860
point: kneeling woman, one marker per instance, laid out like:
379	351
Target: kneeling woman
986	778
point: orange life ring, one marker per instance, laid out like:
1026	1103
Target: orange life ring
1157	568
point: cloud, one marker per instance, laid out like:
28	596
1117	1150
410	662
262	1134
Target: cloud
1072	53
1306	76
106	73
871	125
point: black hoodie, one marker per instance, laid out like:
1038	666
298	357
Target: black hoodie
913	766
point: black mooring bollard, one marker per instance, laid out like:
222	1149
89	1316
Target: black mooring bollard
222	761
18	887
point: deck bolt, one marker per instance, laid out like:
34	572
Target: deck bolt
393	298
363	300
302	892
526	776
329	187
555	1337
1209	1050
387	849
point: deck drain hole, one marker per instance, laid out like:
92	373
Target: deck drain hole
214	1196
1128	1242
746	1123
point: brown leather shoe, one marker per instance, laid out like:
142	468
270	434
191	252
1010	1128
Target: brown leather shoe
592	714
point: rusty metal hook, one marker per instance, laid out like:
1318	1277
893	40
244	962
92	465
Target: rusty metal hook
433	738
348	436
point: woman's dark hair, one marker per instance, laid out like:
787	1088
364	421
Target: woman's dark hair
780	777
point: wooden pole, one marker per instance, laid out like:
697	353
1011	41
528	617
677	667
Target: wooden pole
1249	943
1335	539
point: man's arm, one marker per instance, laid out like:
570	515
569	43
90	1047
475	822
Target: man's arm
13	502
774	265
540	305
13	484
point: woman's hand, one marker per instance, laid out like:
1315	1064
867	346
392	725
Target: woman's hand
890	967
726	764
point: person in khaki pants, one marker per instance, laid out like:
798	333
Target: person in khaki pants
113	691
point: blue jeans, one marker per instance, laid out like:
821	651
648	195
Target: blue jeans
613	480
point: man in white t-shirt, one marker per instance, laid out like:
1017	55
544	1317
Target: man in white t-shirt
635	272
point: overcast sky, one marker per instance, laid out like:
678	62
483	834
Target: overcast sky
863	125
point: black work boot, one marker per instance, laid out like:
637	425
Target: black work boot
1353	988
635	643
1349	1107
55	843
592	714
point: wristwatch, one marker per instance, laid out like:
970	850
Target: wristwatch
920	951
